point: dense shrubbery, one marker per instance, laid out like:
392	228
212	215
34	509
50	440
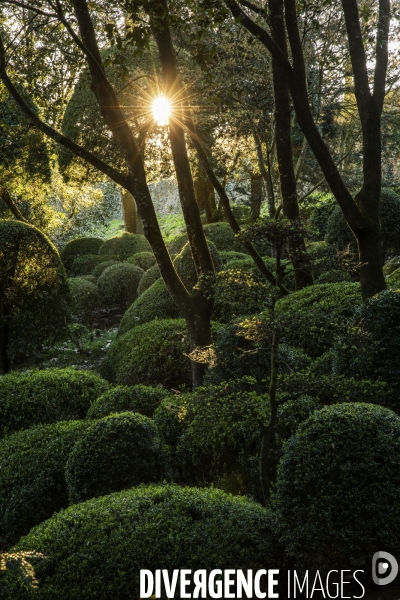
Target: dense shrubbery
84	265
318	221
84	299
185	268
138	398
154	303
150	354
222	236
144	260
227	256
115	453
148	278
27	399
124	246
118	284
238	293
98	270
32	483
337	487
103	543
79	247
176	245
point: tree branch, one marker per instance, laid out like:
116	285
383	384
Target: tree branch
381	53
30	7
5	196
254	8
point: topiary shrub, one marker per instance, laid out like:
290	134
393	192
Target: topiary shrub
227	256
98	270
222	236
150	354
154	303
124	246
106	541
84	300
148	278
118	284
79	247
27	399
176	245
32	483
311	317
84	265
115	453
392	265
144	260
337	487
320	215
138	398
33	293
185	268
238	293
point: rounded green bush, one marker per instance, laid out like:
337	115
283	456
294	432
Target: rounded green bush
338	485
79	247
28	399
84	265
176	245
144	260
320	215
98	270
118	284
222	236
115	453
150	354
84	299
123	246
138	398
227	256
32	483
148	278
154	303
185	268
99	547
238	293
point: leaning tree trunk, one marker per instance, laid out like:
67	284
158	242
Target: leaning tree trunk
255	195
129	210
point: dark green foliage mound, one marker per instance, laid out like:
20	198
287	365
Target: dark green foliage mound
33	292
32	483
96	549
148	278
238	293
98	270
319	217
185	268
79	247
154	303
338	487
227	256
84	265
144	260
115	453
177	244
118	284
138	398
222	236
150	354
27	399
124	246
311	317
84	299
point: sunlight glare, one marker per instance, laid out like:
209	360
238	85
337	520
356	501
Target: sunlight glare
161	110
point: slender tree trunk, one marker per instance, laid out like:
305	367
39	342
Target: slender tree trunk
205	195
255	195
266	173
198	322
129	210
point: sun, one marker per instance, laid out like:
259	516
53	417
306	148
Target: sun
161	109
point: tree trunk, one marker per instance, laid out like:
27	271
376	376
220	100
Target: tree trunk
5	359
198	322
129	210
205	195
255	196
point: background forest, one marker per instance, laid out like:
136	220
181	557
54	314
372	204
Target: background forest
199	290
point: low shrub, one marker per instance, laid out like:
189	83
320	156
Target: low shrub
123	246
150	354
148	278
320	214
79	247
144	260
227	256
84	265
98	270
138	398
238	293
106	541
154	303
118	284
28	399
176	245
337	487
115	453
185	268
32	483
84	300
222	236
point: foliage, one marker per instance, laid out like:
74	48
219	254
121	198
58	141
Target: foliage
138	398
185	268
110	539
79	247
27	399
115	453
144	260
320	214
227	256
222	236
84	299
175	246
84	265
150	354
123	246
238	293
118	284
337	487
148	278
98	270
32	484
154	303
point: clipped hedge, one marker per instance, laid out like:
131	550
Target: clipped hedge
79	247
98	270
115	453
222	236
138	398
118	284
84	299
185	268
150	354
96	549
337	487
148	278
144	260
227	256
238	293
176	245
154	303
123	246
28	399
84	265
32	483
